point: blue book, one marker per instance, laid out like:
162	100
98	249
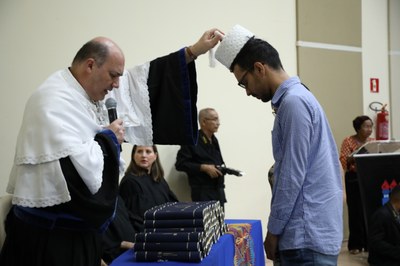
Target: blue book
175	223
174	229
169	237
182	210
167	246
184	256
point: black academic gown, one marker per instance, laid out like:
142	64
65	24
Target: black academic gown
172	89
65	242
384	238
141	193
119	230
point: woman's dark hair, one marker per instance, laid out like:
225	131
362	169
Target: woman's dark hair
156	170
257	50
359	120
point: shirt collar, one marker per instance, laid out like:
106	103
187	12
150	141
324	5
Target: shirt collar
280	92
74	83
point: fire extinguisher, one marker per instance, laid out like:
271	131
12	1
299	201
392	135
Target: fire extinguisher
382	124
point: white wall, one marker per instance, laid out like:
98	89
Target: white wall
40	37
394	55
375	59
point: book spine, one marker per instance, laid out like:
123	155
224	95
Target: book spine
165	246
169	237
175	223
173	229
183	256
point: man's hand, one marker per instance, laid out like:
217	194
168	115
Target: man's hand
118	128
127	245
271	245
208	40
210	170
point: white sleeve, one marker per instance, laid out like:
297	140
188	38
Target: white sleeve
89	163
133	105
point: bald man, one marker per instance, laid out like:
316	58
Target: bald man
65	175
200	161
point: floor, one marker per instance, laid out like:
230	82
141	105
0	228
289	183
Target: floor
345	258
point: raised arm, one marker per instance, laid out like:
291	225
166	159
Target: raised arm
207	41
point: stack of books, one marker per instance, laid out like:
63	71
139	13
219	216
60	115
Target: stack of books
180	231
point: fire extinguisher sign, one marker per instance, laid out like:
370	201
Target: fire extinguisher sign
374	85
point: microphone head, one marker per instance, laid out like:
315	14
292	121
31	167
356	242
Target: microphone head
111	103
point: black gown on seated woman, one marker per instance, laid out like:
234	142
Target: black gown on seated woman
141	193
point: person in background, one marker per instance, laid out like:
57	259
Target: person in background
384	233
143	185
357	228
200	161
305	223
65	175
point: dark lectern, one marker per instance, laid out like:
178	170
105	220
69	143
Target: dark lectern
378	168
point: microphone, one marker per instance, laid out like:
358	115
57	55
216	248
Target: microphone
111	105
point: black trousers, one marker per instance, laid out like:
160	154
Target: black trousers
357	227
208	193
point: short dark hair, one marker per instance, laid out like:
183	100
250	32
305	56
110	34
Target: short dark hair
359	120
92	49
257	50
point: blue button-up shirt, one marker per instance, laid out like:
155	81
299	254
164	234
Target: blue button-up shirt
307	198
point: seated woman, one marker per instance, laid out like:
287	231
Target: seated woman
143	185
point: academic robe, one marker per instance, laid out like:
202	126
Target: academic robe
384	237
141	193
60	168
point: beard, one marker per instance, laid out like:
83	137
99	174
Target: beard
266	97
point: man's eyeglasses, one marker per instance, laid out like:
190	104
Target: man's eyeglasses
240	83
